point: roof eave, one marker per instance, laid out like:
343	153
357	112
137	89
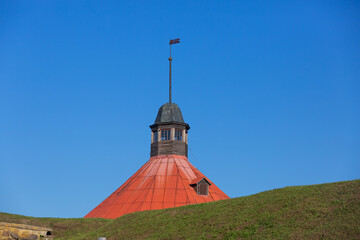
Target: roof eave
169	123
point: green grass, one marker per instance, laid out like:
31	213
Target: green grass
325	211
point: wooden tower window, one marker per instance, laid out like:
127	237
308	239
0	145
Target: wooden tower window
155	136
178	135
165	134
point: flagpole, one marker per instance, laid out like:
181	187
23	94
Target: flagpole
172	41
170	59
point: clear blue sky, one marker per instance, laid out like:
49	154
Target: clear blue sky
271	90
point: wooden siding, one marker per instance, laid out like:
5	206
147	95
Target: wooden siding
203	187
169	147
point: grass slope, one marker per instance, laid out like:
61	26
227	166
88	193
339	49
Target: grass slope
325	211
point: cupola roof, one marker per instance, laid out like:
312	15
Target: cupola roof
169	112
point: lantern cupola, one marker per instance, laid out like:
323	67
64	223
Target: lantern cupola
169	132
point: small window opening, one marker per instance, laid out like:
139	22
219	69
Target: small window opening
155	136
165	134
178	135
201	186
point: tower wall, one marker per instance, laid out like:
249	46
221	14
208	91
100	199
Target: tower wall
169	147
172	145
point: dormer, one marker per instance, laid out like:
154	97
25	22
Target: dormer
201	186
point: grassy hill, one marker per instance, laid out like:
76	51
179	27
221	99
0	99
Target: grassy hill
325	211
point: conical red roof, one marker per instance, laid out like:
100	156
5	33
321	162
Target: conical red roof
163	182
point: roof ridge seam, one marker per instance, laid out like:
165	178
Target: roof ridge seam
166	170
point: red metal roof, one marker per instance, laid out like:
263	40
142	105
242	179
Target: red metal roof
163	182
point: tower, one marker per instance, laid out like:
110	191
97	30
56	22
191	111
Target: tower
168	179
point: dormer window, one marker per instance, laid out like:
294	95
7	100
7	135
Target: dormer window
201	186
178	135
165	134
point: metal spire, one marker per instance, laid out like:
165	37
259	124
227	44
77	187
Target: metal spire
170	59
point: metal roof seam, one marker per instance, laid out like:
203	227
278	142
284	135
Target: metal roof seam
137	197
177	180
166	170
152	197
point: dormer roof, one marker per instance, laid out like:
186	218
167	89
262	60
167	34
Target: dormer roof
196	181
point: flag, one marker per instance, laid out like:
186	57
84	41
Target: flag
174	41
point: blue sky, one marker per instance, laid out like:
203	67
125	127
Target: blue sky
270	90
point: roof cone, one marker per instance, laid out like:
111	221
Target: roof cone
165	181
